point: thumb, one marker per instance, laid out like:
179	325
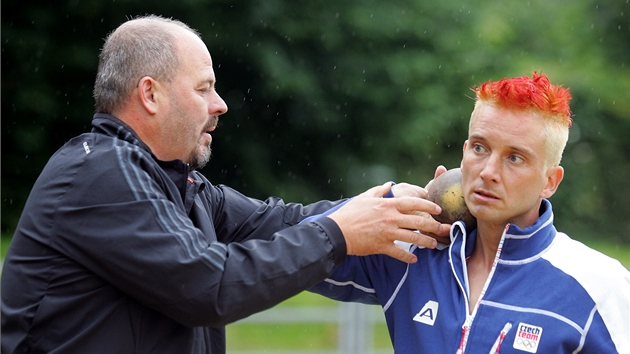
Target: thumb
439	170
377	192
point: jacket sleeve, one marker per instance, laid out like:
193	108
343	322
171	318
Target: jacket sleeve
349	282
358	278
373	279
609	329
126	225
238	218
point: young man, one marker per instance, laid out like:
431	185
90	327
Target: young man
123	247
514	284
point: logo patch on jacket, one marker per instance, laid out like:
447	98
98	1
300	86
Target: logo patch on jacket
527	337
428	313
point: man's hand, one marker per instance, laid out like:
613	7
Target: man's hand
410	190
371	223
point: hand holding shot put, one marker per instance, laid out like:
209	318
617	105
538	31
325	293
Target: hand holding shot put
371	224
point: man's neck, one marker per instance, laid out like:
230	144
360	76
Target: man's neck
487	243
482	258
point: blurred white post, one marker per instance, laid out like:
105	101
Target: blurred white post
355	327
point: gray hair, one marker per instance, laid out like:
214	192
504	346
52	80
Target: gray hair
143	46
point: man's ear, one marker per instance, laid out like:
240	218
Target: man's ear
463	152
554	176
148	94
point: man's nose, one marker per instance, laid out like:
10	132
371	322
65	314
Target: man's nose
491	171
217	105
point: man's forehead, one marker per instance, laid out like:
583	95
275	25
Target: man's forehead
194	55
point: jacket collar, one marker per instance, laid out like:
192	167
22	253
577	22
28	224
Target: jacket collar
189	183
518	245
522	245
111	126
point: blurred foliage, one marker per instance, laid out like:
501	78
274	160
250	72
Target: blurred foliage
328	98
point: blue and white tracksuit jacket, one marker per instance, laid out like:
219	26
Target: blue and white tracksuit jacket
546	293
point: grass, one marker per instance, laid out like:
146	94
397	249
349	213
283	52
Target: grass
309	299
286	337
282	337
272	337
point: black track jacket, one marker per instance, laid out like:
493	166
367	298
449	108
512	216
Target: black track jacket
119	252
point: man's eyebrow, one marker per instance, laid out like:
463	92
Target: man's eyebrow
477	137
525	151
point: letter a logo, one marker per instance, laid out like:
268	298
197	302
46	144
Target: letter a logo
428	313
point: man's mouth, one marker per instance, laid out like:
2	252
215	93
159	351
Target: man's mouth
485	195
212	125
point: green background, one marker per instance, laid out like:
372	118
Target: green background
327	98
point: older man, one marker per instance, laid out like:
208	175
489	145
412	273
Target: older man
123	247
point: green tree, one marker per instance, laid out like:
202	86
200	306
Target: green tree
328	98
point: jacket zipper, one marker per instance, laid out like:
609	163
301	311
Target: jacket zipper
470	318
464	340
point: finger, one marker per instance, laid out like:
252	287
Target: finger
422	223
408	205
438	171
408	190
444	230
416	238
376	192
441	239
396	252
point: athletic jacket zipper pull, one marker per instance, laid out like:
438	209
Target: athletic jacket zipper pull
497	344
462	342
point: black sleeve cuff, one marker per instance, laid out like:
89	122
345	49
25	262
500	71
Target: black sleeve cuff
335	236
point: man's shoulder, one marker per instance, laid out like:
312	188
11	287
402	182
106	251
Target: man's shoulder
97	152
93	161
578	252
594	270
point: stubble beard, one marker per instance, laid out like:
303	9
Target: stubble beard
202	154
200	157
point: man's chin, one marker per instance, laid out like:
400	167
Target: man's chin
199	160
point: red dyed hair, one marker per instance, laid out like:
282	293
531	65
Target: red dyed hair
523	93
